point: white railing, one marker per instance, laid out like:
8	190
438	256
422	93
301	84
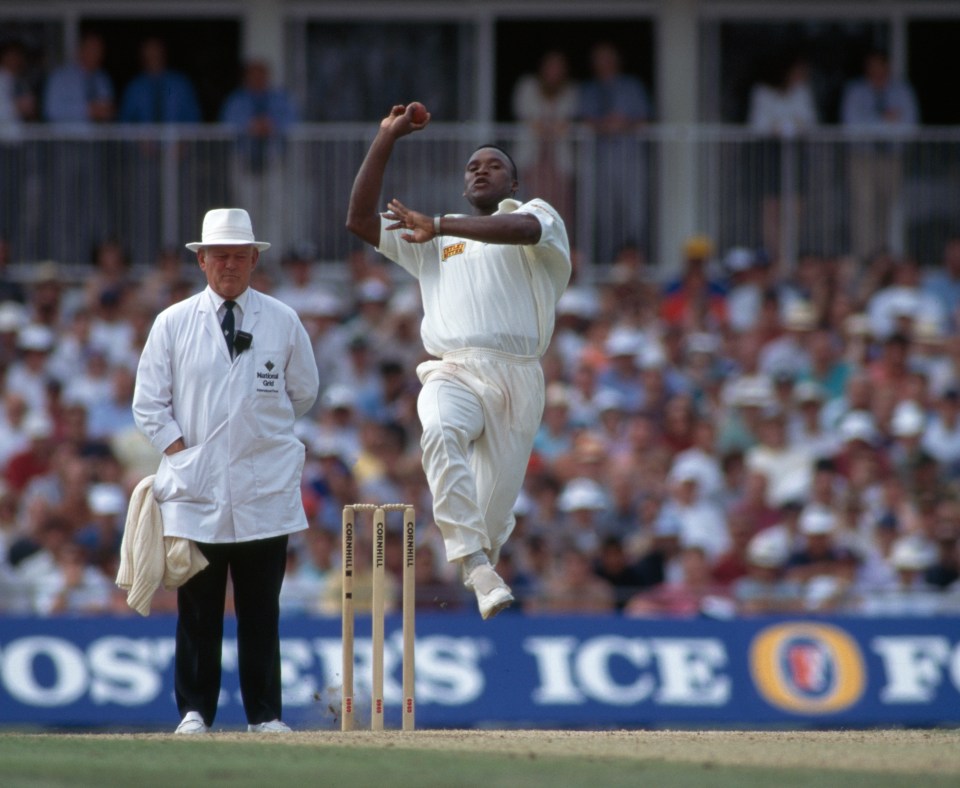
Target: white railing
65	189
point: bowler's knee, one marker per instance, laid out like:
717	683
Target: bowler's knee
437	435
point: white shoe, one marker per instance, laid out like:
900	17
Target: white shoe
192	722
274	726
493	595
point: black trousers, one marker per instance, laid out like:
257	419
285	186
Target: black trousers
256	569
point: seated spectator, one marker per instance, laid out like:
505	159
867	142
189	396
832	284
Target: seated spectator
693	301
103	532
303	583
875	572
701	456
623	513
573	588
28	376
296	288
747	278
13	415
525	584
581	502
890	370
113	414
911	595
90	384
943	281
332	592
859	442
554	437
34	459
744	398
825	569
625	576
764	590
731	565
622	373
788	352
805	428
785	467
434	591
701	523
693	594
904	300
753	504
827	368
72	586
941	437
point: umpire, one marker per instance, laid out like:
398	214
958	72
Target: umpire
222	377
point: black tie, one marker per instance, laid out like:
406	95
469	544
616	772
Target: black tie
158	105
228	325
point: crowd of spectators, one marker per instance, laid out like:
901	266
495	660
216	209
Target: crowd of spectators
742	439
738	440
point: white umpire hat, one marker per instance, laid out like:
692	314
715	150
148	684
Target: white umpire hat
227	227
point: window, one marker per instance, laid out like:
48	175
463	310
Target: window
520	45
750	52
357	71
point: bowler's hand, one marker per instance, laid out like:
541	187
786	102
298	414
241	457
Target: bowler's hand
417	227
400	121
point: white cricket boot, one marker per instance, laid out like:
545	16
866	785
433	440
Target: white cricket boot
493	595
273	726
192	723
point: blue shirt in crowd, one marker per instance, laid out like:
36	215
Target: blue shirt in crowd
69	91
160	98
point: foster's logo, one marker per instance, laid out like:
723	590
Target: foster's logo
807	668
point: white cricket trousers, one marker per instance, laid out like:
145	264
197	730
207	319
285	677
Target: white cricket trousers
480	410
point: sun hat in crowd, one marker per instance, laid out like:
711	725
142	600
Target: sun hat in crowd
13	317
909	552
579	302
37	425
738	259
752	391
106	499
582	493
623	342
908	419
800	316
320	304
557	395
769	549
702	342
338	395
807	391
816	521
857	425
607	399
36	337
698	247
373	290
227	227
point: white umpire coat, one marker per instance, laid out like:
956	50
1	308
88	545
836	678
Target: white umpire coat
239	477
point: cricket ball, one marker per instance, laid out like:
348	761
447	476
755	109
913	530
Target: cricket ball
418	112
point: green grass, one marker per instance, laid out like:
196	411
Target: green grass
51	760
